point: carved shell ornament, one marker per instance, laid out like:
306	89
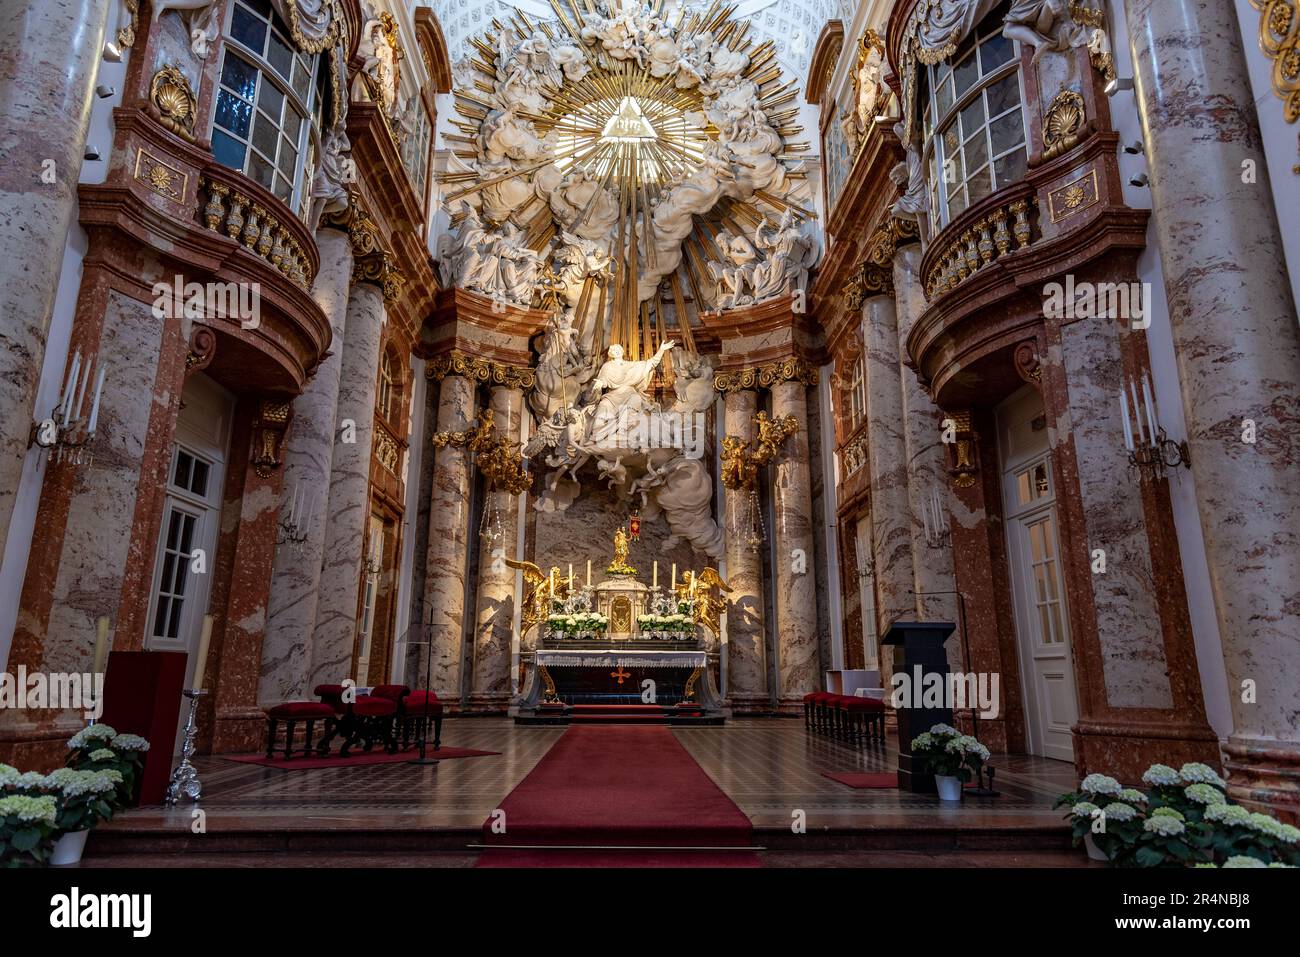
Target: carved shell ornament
1063	126
174	101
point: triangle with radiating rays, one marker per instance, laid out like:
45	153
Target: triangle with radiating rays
629	123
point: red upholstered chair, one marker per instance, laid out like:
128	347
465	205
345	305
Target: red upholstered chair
417	708
808	701
865	716
291	713
364	720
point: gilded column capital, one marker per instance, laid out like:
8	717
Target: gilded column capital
793	369
372	262
875	276
479	369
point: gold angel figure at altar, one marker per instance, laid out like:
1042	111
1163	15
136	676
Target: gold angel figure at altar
541	589
619	565
705	590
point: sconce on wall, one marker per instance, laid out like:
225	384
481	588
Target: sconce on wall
66	432
938	533
1149	448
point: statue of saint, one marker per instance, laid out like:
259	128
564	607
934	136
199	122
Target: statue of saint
619	565
625	385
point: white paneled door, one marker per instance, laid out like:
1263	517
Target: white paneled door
1038	589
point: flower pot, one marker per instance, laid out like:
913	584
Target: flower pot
1094	852
949	787
68	848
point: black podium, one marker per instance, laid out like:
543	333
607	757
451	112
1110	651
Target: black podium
922	646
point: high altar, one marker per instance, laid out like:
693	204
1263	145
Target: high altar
620	644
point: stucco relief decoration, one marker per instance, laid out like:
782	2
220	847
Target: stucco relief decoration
199	19
173	101
870	93
1279	40
626	167
1063	126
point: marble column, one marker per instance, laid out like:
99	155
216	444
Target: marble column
891	509
348	514
308	458
927	466
494	626
449	521
49	58
1235	335
798	658
746	636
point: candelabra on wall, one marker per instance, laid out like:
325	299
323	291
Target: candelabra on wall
1150	450
65	432
501	462
938	533
294	528
741	461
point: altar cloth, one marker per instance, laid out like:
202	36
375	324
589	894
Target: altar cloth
649	658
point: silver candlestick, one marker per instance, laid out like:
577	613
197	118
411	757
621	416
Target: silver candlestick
186	776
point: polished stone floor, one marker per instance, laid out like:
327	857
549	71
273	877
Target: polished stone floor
771	768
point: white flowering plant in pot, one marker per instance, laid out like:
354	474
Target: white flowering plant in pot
37	809
100	748
1184	818
949	753
28	823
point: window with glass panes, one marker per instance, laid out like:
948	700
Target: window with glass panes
973	122
857	394
269	105
386	382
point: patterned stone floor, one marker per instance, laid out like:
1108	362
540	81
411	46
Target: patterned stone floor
770	768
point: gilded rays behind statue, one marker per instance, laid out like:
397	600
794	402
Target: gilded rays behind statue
635	159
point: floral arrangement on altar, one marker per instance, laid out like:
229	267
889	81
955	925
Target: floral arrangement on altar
949	754
666	626
39	812
582	624
1182	819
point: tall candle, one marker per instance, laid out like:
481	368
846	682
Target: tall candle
1128	427
674	576
1137	413
94	409
588	572
71	387
101	645
570	574
654	578
81	391
202	663
1151	406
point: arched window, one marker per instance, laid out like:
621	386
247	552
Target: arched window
388	386
973	122
269	105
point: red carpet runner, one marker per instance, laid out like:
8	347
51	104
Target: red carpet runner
600	789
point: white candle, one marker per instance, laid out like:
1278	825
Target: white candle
101	645
1128	428
81	392
674	576
70	387
1151	406
570	574
654	575
201	663
588	572
1137	413
94	409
